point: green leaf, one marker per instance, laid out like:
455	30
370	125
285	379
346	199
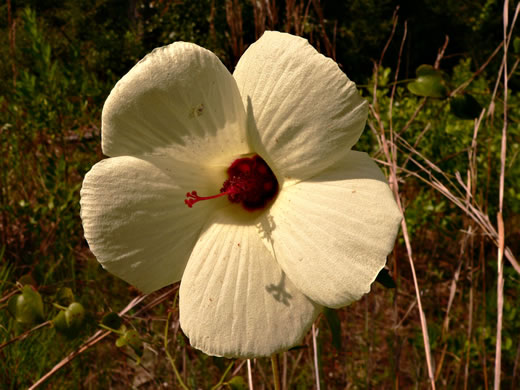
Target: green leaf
428	83
112	320
27	307
426	70
465	106
60	323
335	327
384	278
11	305
74	315
121	341
64	296
69	321
428	86
237	383
516	45
132	339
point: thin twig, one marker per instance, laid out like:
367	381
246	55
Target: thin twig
406	314
414	115
25	334
501	70
515	367
223	377
396	76
284	371
463	86
422	317
441	52
11	23
234	20
249	375
470	323
395	187
9	294
453	290
315	354
238	368
390	152
475	212
276	371
395	18
170	357
500	221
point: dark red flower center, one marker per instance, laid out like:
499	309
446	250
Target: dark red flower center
250	182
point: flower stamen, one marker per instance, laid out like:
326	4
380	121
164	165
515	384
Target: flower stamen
193	198
250	182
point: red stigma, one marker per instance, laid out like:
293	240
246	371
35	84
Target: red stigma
250	182
192	198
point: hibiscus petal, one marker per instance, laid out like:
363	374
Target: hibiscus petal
235	301
178	100
303	106
135	219
332	233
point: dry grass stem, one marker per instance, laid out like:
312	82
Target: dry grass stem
500	221
234	20
315	332
249	375
390	152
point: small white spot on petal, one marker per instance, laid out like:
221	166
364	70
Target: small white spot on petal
136	264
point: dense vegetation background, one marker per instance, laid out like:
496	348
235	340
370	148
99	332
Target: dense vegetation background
60	60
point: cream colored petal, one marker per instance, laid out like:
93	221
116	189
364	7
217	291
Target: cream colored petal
235	301
178	100
307	112
332	233
135	219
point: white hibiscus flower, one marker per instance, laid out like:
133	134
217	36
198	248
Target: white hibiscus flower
293	219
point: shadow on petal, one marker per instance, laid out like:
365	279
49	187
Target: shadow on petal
279	291
254	141
353	166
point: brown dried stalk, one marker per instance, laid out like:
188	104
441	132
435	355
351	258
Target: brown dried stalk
234	20
330	50
11	23
474	211
390	153
500	221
